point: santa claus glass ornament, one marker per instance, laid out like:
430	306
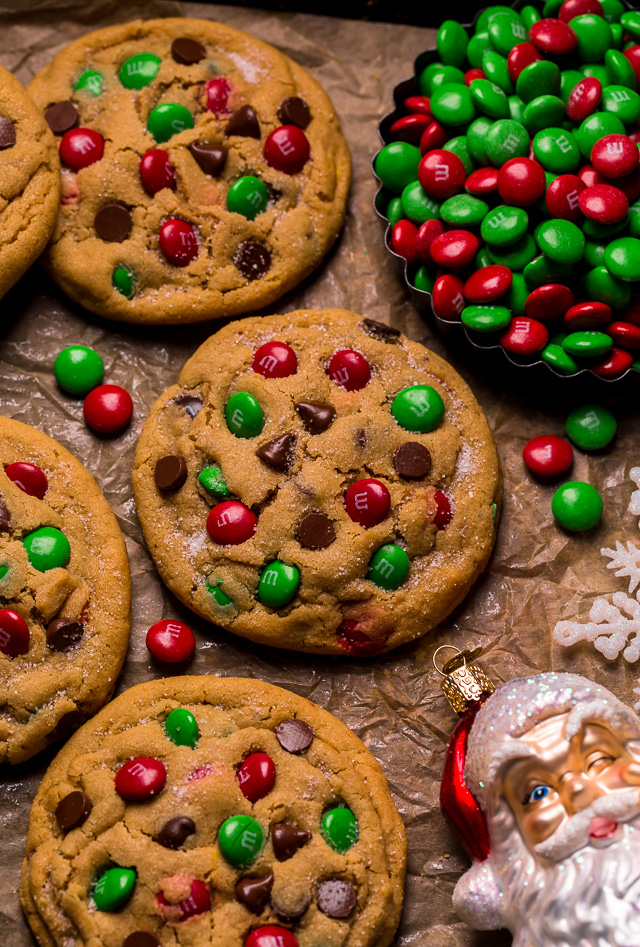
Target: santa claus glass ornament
542	786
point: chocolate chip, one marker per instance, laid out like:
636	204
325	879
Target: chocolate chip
294	111
64	633
290	913
7	133
187	51
113	223
73	810
210	158
141	939
360	438
412	460
315	531
175	832
170	473
254	892
244	122
277	452
253	259
336	898
190	403
69	722
294	736
315	415
380	330
5	518
61	117
287	838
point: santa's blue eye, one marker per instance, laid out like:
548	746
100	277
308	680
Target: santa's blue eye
538	793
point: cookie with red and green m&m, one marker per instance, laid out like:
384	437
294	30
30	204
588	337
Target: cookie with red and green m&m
317	481
64	593
214	810
204	172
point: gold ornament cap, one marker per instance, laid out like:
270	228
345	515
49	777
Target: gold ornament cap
463	684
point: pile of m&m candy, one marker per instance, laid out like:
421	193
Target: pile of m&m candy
511	182
79	371
577	506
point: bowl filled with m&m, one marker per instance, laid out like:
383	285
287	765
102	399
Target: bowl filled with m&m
509	182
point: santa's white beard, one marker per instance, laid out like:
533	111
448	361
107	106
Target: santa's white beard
589	899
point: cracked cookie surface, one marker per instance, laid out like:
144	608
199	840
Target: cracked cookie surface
217	851
204	172
295	512
30	181
64	593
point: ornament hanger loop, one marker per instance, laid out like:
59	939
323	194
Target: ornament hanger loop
447	647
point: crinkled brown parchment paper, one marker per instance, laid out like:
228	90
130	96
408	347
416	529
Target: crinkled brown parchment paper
537	575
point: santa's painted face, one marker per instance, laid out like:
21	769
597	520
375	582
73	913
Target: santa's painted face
562	777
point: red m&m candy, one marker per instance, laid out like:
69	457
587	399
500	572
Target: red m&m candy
633	55
521	56
349	369
625	334
589	176
156	171
454	248
28	477
256	776
482	181
271	936
231	523
140	779
410	127
584	99
108	409
472	74
587	315
443	516
170	641
548	455
403	239
425	236
550	301
81	147
615	156
356	642
441	173
198	902
275	360
604	203
488	283
563	197
418	104
179	241
521	182
217	92
287	149
434	136
447	297
525	336
367	502
553	37
14	633
571	8
616	362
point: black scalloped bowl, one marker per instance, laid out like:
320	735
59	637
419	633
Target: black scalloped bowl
489	356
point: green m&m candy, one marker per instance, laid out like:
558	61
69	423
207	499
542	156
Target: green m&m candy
418	408
595	71
504	226
113	888
630	22
476	135
247	196
600	285
463	210
389	567
612	10
278	583
478	45
124	280
423	280
394	211
569	79
588	343
543	270
417	205
340	829
139	70
506	30
543	112
560	240
485	318
517	295
619	69
529	15
91	80
577	506
397	165
78	369
594	253
622	102
594	128
556	357
181	727
47	548
516	108
622	258
241	839
496	69
506	139
591	427
594	37
452	42
446	75
459	146
634	220
487	15
556	150
452	104
214	483
489	98
517	255
3	571
167	120
483	259
592	228
244	415
538	78
214	589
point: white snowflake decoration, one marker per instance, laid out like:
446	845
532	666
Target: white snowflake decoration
634	505
609	628
626	559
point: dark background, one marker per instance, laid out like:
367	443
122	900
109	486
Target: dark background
419	12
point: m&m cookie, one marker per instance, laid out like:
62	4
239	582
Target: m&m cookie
64	593
317	481
204	172
214	810
30	174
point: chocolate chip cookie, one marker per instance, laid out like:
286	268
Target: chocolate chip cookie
64	593
317	481
214	810
204	172
30	175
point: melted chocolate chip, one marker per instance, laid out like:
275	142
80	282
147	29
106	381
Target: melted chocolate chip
287	838
253	259
294	736
254	892
315	415
360	438
294	111
336	898
187	51
290	913
113	223
210	158
277	453
141	939
190	403
316	531
170	473
412	460
175	832
61	117
69	722
5	518
243	122
64	633
7	133
380	330
73	810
